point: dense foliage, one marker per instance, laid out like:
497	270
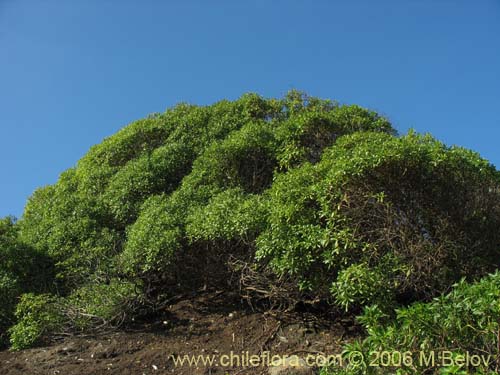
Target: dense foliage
464	322
383	218
300	198
22	270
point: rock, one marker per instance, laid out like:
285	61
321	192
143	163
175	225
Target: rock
283	339
292	365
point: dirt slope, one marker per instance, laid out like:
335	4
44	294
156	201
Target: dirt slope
210	324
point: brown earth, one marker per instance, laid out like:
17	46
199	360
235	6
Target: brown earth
209	324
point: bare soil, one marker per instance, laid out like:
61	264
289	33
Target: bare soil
209	324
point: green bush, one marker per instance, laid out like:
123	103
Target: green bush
10	290
92	306
37	316
365	285
466	320
379	215
245	162
322	195
98	305
306	134
188	154
22	269
229	215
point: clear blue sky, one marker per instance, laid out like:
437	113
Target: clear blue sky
73	72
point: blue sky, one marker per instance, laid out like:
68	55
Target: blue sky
74	72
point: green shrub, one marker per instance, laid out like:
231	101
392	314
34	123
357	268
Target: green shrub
244	161
379	215
322	195
152	173
22	269
305	134
98	305
365	285
466	320
71	228
94	221
10	290
37	316
229	215
89	307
